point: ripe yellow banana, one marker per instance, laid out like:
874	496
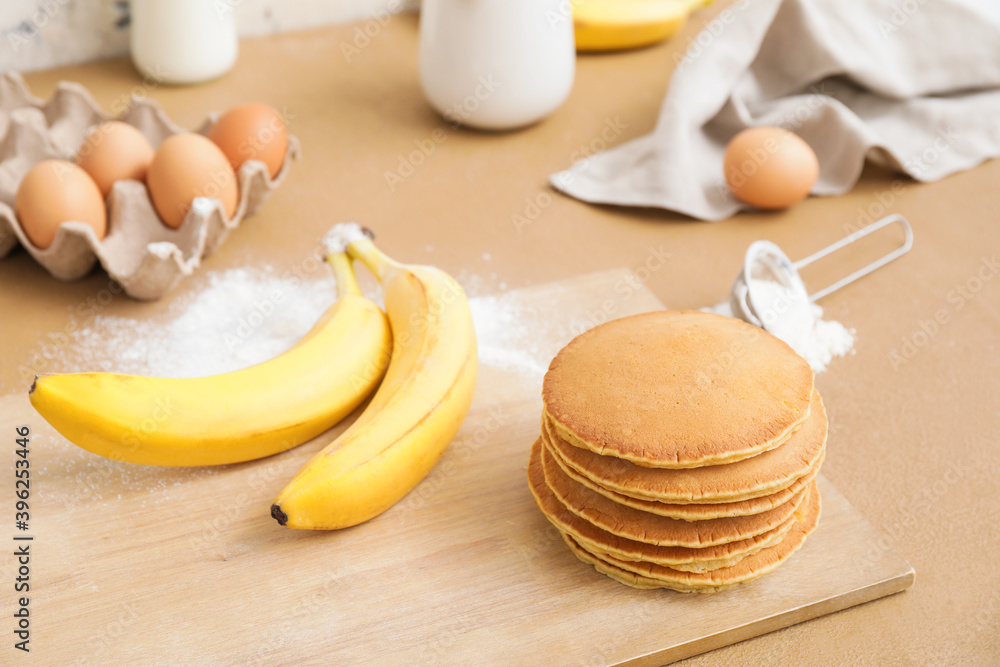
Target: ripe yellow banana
413	416
238	416
609	25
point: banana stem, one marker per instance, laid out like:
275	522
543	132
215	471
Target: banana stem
343	271
374	259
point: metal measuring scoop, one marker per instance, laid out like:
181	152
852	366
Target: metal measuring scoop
766	261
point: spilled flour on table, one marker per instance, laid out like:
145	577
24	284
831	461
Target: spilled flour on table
245	316
241	317
504	336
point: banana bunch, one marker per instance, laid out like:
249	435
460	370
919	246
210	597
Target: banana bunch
610	25
422	359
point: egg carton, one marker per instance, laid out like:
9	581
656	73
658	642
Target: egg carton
143	255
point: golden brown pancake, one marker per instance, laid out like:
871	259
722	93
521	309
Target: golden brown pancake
754	477
675	389
692	511
603	543
649	575
642	526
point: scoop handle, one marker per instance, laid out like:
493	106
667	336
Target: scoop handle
847	240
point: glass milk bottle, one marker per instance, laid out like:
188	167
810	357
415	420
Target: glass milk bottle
183	41
496	64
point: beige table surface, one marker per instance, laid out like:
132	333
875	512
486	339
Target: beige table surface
916	441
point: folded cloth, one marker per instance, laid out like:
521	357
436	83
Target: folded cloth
911	84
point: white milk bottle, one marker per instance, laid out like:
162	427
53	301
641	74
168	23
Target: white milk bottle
183	41
496	64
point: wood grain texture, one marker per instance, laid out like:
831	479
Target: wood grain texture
173	566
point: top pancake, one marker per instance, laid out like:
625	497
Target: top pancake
675	389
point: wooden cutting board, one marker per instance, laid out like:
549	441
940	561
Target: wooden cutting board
153	566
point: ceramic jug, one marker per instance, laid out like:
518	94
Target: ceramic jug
496	64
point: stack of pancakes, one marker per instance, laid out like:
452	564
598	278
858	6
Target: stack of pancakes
680	450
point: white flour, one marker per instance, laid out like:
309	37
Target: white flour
505	339
241	317
798	323
245	316
342	235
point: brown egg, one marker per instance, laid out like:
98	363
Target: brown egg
770	167
186	166
114	151
252	132
54	192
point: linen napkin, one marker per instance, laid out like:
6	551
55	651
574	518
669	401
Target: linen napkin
911	84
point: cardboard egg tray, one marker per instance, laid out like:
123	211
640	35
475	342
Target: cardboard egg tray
139	252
